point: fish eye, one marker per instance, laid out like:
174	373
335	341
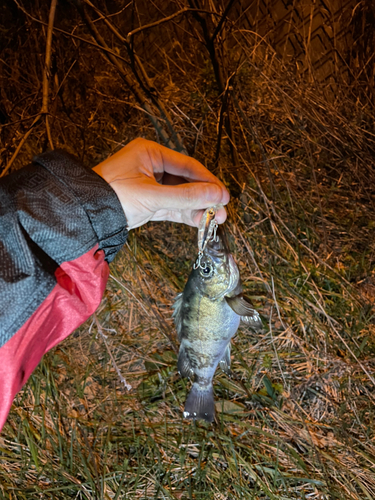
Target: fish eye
206	271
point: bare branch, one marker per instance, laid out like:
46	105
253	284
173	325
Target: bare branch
71	35
145	85
127	386
47	62
223	18
166	19
134	88
157	23
21	143
216	61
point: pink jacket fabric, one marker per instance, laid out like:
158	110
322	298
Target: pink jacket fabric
60	226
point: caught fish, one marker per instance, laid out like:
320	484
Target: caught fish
207	315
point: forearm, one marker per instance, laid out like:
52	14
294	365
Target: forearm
59	226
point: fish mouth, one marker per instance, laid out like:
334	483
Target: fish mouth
217	250
219	244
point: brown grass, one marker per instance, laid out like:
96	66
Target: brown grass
296	420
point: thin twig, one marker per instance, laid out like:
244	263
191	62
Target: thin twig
21	143
145	84
133	87
344	341
71	35
157	23
276	304
47	62
218	60
274	347
44	110
223	18
127	386
166	19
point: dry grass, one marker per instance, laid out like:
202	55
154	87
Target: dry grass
296	420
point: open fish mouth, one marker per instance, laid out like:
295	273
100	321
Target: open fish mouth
219	242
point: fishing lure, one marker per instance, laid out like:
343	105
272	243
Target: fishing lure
206	232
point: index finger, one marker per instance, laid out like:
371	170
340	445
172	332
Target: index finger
184	166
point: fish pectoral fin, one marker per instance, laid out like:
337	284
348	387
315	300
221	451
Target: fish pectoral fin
183	364
240	305
254	321
225	361
200	403
244	309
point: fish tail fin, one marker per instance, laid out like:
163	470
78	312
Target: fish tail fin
200	403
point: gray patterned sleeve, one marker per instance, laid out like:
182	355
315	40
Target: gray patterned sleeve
51	211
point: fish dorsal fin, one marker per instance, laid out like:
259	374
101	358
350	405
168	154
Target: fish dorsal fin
242	307
177	316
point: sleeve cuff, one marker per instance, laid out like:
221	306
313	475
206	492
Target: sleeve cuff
94	195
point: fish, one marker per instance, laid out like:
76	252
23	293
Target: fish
207	315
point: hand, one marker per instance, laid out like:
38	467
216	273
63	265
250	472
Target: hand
153	182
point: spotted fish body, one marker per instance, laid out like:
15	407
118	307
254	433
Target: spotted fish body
207	315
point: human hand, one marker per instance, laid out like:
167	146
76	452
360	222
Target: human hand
153	183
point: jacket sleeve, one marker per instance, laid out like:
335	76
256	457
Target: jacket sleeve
60	226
